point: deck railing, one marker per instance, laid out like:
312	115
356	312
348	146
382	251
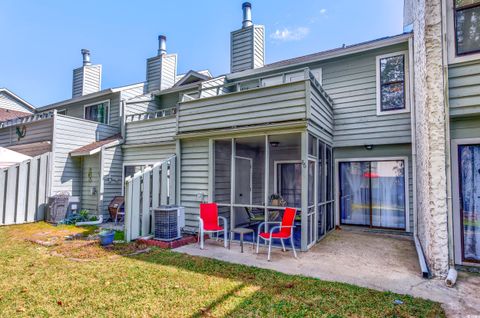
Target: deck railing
27	119
145	191
167	112
258	82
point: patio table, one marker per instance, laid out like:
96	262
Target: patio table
242	231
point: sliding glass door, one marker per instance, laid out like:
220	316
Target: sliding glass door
469	179
372	193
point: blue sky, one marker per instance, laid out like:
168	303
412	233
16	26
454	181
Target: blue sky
41	40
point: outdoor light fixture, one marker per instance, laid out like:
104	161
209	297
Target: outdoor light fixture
274	143
369	147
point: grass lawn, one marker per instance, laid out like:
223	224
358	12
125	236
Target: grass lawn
43	275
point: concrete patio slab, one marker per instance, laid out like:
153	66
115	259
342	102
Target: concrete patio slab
378	261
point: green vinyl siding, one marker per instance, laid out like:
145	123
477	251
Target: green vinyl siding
464	88
462	128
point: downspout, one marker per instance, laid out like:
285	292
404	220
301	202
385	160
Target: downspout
421	256
122	118
448	163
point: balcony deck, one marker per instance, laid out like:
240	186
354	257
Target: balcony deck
301	100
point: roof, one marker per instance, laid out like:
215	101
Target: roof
8	114
328	54
89	96
192	77
18	98
96	146
32	149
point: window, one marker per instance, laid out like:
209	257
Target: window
98	112
62	111
391	83
467	26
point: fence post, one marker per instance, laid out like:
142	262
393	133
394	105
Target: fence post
22	192
32	190
3	174
146	203
11	195
128	209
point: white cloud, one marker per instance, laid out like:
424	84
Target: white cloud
286	34
323	11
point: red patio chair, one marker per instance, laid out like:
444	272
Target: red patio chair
209	222
282	232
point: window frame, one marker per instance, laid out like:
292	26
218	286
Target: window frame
406	75
455	10
451	25
107	102
62	112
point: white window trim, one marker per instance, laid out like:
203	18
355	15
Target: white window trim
107	101
336	180
457	232
451	34
406	81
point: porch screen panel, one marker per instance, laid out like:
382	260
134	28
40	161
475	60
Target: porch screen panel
354	193
388	194
329	188
321	189
311	203
222	172
469	175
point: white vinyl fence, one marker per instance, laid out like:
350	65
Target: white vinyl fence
23	190
144	191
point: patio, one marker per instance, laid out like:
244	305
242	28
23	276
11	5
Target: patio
373	260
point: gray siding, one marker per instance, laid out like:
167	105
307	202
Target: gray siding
151	131
351	83
194	178
37	131
218	81
140	104
70	134
112	175
464	88
147	154
90	183
400	150
76	109
247	48
461	128
257	106
86	80
321	114
8	102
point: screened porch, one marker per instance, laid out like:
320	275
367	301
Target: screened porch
255	178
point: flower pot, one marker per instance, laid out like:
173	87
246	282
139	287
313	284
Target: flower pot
106	238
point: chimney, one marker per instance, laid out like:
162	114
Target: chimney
87	79
247	45
161	69
247	14
408	15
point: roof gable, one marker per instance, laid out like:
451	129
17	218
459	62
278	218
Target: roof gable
10	98
191	77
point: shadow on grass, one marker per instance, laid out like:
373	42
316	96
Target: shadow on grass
284	295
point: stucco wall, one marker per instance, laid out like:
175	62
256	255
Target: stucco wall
430	135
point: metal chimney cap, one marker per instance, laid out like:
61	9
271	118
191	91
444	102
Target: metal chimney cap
246	4
162	37
86	57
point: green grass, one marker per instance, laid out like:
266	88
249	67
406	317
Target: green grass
86	281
